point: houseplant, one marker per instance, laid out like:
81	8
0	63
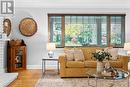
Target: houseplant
100	56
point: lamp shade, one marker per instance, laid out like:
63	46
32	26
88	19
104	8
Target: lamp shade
51	46
127	46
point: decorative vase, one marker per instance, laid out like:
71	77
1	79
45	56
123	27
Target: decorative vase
107	65
100	66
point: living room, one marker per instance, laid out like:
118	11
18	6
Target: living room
36	44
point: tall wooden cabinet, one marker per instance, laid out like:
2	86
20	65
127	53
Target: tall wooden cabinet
16	55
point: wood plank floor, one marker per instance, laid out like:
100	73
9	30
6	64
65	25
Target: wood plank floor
26	78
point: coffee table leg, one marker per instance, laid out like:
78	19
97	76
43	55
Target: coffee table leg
128	81
96	81
58	66
44	66
88	81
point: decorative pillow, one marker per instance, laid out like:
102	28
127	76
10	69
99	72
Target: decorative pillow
69	55
114	53
78	55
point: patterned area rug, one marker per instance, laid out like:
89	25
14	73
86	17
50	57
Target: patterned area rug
53	80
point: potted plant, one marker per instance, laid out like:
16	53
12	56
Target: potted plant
100	56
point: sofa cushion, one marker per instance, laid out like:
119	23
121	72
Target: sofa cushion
78	55
117	64
75	64
90	64
88	52
93	64
69	55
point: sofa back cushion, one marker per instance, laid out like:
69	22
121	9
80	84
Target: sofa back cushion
87	51
69	55
74	54
78	55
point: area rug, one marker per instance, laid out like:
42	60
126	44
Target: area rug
53	80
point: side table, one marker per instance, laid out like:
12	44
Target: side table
44	64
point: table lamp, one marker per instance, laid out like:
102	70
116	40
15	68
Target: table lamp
51	47
127	47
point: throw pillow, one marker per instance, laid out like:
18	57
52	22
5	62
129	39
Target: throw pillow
78	55
114	53
69	55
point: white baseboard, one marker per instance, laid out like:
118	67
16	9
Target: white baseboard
40	67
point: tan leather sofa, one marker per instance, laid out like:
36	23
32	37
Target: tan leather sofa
80	68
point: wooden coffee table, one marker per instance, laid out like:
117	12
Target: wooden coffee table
120	76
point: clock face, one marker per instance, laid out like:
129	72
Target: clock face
28	27
7	26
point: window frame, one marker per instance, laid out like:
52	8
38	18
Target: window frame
108	29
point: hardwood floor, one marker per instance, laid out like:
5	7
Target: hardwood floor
26	78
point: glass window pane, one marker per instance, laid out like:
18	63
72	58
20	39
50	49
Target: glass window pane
103	30
81	31
85	19
116	30
73	19
72	30
92	28
79	20
55	30
67	19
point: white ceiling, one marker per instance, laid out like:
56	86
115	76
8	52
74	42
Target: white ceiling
73	3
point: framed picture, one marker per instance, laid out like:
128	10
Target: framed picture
7	26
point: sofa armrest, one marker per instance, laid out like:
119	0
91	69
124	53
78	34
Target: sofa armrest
124	60
62	60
